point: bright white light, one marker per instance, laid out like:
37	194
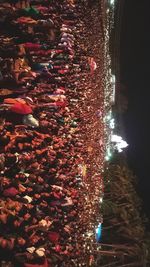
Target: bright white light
119	142
108	154
116	138
107	158
101	200
113	78
121	145
112	123
113	82
112	2
108	117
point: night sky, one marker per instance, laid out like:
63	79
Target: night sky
135	75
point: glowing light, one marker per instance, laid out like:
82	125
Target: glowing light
119	142
112	2
108	117
108	154
113	82
101	200
116	138
98	232
107	158
112	123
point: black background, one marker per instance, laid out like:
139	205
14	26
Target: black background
135	74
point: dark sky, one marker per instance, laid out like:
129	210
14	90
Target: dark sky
135	74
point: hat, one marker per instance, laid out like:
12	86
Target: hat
21	108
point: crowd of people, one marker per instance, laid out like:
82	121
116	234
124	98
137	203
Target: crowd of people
49	132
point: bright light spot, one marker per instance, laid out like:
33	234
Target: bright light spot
109	71
112	123
108	117
119	142
98	232
113	78
109	154
101	200
107	158
113	81
116	138
112	2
